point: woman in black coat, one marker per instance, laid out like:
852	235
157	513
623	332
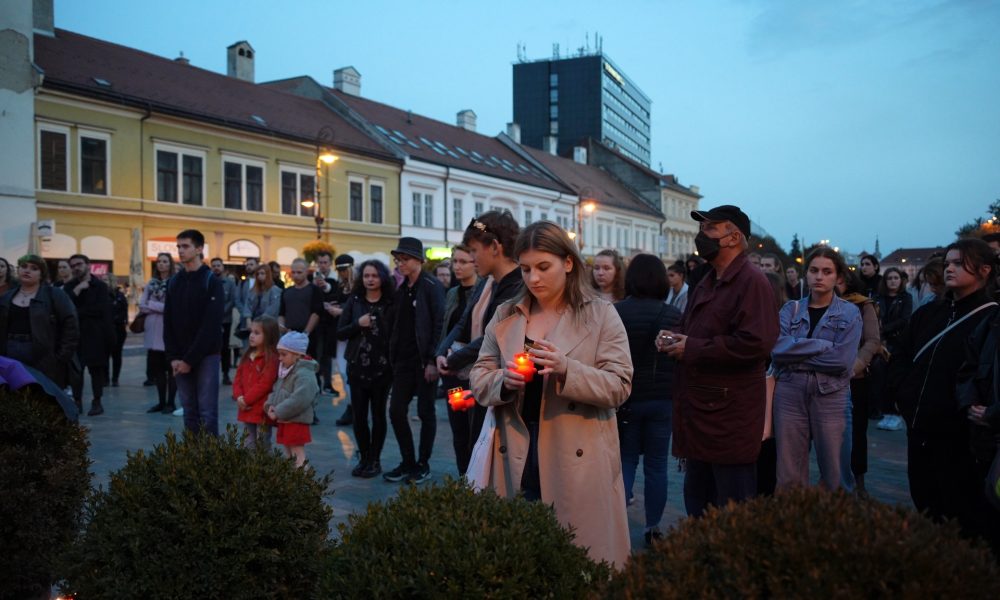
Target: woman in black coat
644	421
38	324
365	324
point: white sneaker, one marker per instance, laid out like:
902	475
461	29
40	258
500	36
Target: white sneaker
179	412
884	423
896	424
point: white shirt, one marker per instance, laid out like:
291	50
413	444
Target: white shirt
679	299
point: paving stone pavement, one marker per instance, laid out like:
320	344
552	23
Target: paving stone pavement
125	427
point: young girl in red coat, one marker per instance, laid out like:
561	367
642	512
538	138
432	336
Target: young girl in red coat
255	377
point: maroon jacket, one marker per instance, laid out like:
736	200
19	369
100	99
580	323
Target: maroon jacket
719	392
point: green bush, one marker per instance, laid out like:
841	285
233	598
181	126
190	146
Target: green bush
807	543
44	472
447	541
202	518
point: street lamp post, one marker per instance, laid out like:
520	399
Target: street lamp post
585	206
323	156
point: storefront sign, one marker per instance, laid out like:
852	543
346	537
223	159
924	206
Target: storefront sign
244	249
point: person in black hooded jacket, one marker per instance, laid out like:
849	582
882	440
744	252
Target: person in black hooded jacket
979	397
923	374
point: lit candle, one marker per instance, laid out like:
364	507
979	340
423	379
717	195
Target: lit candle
524	366
456	399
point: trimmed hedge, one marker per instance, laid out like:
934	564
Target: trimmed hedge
447	541
203	517
45	476
807	543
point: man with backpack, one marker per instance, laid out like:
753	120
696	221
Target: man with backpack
192	320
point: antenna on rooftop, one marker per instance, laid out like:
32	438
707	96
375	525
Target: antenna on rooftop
555	51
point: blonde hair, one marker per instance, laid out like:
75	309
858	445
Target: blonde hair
546	236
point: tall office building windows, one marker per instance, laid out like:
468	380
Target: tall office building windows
597	100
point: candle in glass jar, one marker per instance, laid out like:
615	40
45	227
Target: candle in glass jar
524	366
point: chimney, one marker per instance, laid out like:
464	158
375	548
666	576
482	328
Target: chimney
239	61
347	80
182	59
466	119
694	189
43	17
550	144
514	132
580	155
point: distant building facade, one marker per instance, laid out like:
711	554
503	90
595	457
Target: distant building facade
565	101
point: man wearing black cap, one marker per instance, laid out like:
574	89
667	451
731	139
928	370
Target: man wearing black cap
725	337
419	306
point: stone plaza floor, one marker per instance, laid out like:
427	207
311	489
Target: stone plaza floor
125	426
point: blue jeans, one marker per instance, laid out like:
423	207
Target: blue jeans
644	428
801	412
199	393
847	480
716	484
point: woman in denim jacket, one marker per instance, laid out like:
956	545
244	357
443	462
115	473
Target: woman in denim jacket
813	362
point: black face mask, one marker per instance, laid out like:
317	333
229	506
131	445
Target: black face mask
708	247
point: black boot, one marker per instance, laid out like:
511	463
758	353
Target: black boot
95	408
169	408
158	407
373	469
361	467
347	418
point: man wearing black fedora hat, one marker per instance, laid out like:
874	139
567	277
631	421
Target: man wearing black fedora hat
419	303
726	334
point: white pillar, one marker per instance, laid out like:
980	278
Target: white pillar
17	124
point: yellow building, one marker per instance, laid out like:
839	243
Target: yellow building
127	140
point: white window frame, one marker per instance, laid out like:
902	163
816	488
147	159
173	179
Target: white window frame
181	152
417	208
479	207
458	212
364	198
96	135
299	172
529	215
428	210
244	163
40	127
381	185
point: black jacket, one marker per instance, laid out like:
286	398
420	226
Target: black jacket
653	373
348	328
979	383
503	290
97	331
895	312
192	316
55	331
925	389
428	317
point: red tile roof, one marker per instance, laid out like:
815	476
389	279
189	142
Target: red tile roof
79	64
664	179
440	143
592	182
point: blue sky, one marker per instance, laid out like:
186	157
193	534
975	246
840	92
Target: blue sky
830	119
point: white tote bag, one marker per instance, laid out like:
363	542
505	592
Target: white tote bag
481	463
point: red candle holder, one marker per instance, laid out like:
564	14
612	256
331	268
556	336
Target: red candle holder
460	400
524	366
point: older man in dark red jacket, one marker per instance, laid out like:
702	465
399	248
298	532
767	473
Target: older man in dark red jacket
725	337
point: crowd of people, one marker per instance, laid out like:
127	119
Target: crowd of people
739	365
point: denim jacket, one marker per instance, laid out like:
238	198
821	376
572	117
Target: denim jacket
831	350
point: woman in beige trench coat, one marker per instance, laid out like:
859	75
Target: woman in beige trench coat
585	372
